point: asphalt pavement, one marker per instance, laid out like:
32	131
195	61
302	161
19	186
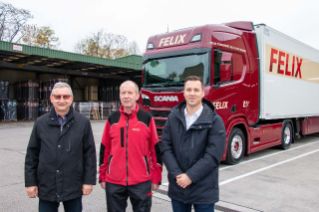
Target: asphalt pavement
269	180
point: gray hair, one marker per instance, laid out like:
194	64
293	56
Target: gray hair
61	85
130	81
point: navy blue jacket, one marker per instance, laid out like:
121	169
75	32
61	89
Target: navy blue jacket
196	152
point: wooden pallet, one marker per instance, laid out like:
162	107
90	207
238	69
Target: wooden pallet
95	115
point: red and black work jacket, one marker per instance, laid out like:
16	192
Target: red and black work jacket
130	153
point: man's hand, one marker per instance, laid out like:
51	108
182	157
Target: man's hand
183	180
102	184
87	189
154	186
32	191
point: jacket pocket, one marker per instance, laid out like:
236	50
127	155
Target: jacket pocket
40	173
147	167
109	166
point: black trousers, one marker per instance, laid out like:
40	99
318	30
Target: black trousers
140	197
73	205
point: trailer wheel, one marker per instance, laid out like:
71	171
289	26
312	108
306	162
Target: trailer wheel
235	146
286	135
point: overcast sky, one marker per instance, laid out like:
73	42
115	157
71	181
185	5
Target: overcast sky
140	19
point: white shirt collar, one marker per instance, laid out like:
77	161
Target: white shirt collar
191	119
196	114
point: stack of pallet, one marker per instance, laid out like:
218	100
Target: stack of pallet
109	93
4	89
28	100
44	107
88	109
106	108
91	93
8	108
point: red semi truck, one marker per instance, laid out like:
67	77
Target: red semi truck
264	84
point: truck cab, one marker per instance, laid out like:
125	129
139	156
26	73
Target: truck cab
225	57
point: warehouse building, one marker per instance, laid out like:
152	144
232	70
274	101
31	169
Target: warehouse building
27	75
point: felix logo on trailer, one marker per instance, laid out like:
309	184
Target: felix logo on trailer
282	61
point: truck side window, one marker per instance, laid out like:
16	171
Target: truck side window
237	66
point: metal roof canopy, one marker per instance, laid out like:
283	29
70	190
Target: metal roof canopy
36	59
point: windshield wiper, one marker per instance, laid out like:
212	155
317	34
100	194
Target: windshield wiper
154	85
173	83
165	84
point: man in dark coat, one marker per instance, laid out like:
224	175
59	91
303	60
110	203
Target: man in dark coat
193	142
60	164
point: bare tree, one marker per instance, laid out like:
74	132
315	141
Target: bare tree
106	45
12	20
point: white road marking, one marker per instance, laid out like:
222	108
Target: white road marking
265	168
165	184
259	158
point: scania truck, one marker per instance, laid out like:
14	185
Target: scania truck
263	83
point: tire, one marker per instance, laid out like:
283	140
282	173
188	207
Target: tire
286	135
235	147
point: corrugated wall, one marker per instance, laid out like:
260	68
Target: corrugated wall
15	76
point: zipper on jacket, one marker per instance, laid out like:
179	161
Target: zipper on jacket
109	166
61	129
193	139
147	167
128	118
122	136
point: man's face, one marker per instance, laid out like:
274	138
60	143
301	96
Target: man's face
128	95
61	99
193	93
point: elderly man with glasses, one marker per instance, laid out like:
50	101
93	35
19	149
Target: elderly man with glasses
60	164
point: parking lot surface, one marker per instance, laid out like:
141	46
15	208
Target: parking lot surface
269	180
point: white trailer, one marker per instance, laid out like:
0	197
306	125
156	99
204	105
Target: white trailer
289	76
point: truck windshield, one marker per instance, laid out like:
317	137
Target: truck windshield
174	70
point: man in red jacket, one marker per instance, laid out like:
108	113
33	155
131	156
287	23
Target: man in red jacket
130	161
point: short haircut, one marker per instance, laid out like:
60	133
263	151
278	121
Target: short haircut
61	85
130	81
194	78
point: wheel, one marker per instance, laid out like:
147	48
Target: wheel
235	146
286	135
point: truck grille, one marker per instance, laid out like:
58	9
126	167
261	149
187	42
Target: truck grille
159	132
160	113
160	116
160	123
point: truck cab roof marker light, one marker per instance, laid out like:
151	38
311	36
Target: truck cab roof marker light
196	38
150	46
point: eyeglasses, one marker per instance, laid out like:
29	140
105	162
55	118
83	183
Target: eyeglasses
58	97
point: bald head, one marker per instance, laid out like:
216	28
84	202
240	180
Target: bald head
129	83
129	95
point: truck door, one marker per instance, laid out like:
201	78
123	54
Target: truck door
230	84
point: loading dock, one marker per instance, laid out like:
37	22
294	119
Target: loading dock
27	63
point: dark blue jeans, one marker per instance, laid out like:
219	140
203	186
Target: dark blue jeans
181	207
73	205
